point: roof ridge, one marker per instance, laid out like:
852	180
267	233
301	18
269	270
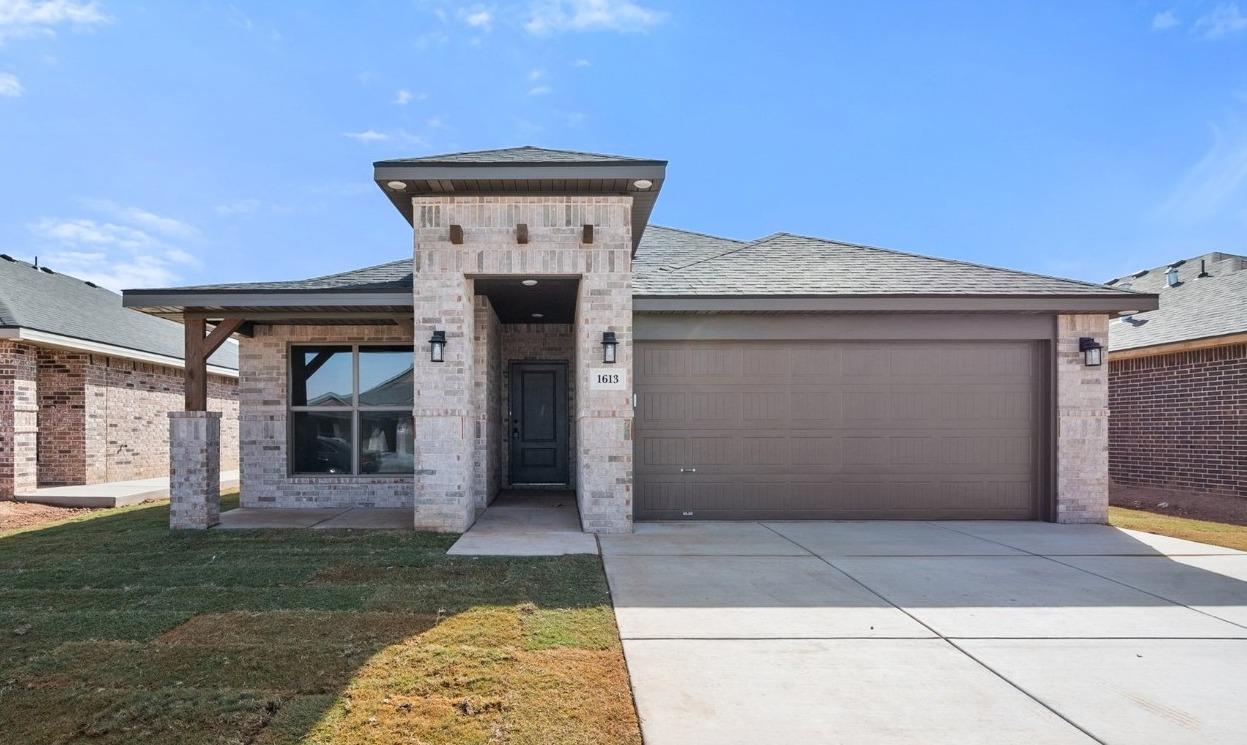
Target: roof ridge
743	246
353	271
959	262
696	232
1147	270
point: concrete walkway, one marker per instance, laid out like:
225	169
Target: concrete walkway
112	493
364	518
958	633
527	523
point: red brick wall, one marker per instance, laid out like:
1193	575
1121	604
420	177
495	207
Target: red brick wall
18	417
105	418
1179	421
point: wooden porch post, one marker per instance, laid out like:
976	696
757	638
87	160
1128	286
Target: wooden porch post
198	349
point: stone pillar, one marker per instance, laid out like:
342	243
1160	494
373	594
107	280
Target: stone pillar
604	413
443	410
19	419
486	384
1082	423
194	469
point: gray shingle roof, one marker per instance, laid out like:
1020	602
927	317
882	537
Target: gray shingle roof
1196	308
392	276
526	154
786	264
57	303
671	247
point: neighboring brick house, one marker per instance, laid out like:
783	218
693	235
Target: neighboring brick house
1178	380
541	333
86	385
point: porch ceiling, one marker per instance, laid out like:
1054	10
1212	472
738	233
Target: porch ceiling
514	302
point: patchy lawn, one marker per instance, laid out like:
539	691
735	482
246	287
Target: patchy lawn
1218	534
115	630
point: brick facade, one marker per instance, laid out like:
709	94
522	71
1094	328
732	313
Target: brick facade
447	451
85	418
550	342
194	469
1179	421
1081	423
263	440
487	463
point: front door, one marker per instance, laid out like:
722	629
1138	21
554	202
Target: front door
538	423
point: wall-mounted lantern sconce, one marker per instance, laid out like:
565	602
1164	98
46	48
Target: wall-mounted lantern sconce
437	346
610	347
1092	351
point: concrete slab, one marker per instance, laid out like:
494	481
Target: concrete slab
1025	596
883	692
531	529
700	539
246	518
886	539
1048	539
370	518
111	493
1216	585
1132	692
755	597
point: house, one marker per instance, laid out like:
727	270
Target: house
86	385
1178	380
552	337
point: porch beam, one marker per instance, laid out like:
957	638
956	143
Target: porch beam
199	346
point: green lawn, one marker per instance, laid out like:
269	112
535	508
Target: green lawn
1204	531
115	630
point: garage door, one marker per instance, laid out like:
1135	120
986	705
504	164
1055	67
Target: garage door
837	430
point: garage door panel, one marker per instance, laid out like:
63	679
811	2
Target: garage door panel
837	429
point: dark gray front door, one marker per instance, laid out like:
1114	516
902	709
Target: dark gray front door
538	423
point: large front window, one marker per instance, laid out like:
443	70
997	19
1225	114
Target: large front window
350	409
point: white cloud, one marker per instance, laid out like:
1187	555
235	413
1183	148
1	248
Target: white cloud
22	18
237	207
540	90
10	86
1224	20
536	74
367	136
402	97
1216	182
435	122
131	252
480	18
548	16
1164	20
582	62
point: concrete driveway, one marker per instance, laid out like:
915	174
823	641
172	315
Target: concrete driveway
953	632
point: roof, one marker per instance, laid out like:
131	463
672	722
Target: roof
524	155
784	264
527	170
388	277
40	299
1196	308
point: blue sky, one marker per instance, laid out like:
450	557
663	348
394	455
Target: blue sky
158	143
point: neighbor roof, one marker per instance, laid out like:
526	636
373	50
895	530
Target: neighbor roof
41	299
784	264
1196	308
524	155
392	276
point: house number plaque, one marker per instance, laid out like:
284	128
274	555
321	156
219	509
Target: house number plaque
606	379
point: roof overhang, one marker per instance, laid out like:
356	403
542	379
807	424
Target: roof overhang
526	179
945	303
60	341
271	306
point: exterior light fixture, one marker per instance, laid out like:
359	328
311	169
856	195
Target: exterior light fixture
529	282
437	346
1092	351
539	315
642	184
396	185
610	347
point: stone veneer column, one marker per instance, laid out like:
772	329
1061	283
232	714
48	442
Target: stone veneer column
1082	423
194	469
19	419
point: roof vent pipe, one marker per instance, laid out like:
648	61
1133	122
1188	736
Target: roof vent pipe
1171	277
1203	270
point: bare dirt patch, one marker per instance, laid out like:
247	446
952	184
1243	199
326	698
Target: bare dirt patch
25	515
1192	505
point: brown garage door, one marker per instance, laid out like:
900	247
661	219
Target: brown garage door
837	430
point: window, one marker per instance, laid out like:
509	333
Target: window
350	409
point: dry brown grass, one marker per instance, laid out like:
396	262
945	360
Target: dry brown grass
1204	531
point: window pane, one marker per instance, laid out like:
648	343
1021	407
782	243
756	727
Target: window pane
322	441
385	376
320	376
385	443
